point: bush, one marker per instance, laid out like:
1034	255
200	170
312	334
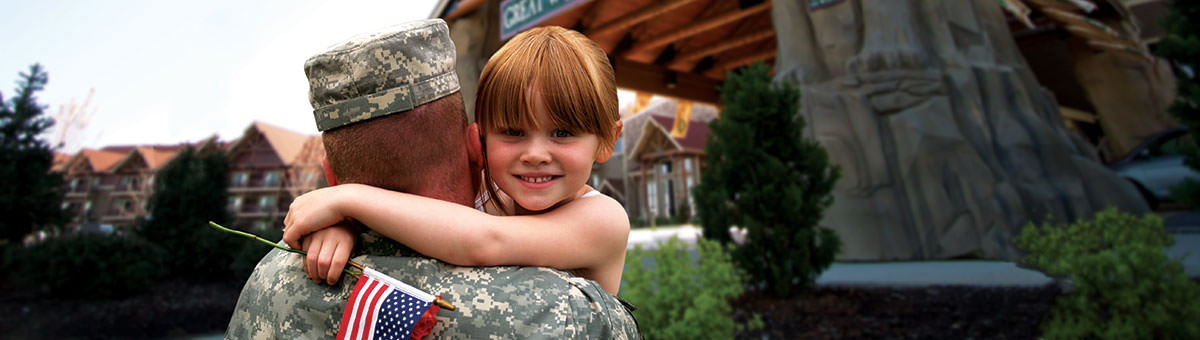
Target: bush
681	295
1125	287
89	265
763	175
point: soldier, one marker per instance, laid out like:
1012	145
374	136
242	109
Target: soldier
391	116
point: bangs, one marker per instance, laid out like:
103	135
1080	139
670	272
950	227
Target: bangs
577	87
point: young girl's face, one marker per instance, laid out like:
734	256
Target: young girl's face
543	166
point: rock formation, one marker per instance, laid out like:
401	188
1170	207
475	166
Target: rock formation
947	143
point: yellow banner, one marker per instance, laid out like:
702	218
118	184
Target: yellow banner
683	115
643	100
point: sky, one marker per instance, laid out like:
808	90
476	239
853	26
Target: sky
166	72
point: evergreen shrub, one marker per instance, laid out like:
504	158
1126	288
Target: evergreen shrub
89	265
1181	45
1125	287
681	295
763	175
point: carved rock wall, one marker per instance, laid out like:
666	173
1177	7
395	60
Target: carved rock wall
948	145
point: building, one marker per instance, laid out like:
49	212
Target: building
107	189
269	167
662	159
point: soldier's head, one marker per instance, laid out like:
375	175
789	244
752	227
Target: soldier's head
391	115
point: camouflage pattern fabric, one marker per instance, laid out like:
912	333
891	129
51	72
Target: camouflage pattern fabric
381	73
280	302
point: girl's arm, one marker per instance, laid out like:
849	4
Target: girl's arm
583	233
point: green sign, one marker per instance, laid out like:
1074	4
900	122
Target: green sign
520	15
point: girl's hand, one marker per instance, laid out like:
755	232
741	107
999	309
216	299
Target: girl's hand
328	250
313	211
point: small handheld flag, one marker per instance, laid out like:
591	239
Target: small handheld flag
381	307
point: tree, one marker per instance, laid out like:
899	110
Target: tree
30	194
1182	45
761	174
189	191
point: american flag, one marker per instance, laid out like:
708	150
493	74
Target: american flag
381	307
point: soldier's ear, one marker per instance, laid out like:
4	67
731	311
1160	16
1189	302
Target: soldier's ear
329	176
474	148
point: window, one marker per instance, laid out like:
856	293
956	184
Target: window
652	198
235	203
687	165
272	179
118	206
239	179
87	206
96	182
74	183
670	198
128	183
691	200
266	203
666	167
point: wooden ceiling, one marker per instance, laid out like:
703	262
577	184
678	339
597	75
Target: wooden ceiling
679	48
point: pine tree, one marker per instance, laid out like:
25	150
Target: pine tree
761	174
189	191
30	195
1182	45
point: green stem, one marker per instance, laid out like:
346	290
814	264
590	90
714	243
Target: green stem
260	239
276	245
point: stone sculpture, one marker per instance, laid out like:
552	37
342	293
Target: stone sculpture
947	143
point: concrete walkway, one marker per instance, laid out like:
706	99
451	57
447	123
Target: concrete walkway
927	273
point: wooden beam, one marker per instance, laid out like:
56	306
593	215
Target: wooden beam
464	8
718	71
659	80
688	59
697	28
637	16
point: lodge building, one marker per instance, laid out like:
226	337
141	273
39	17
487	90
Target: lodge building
107	189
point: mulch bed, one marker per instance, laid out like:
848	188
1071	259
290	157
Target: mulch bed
175	309
938	312
170	310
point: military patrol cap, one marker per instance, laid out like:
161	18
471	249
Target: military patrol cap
381	73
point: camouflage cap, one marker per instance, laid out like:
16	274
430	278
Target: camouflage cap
381	73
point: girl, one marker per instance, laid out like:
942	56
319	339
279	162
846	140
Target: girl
547	109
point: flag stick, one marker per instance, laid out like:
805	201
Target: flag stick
273	244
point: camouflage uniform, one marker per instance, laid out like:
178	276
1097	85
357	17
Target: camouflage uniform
378	74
